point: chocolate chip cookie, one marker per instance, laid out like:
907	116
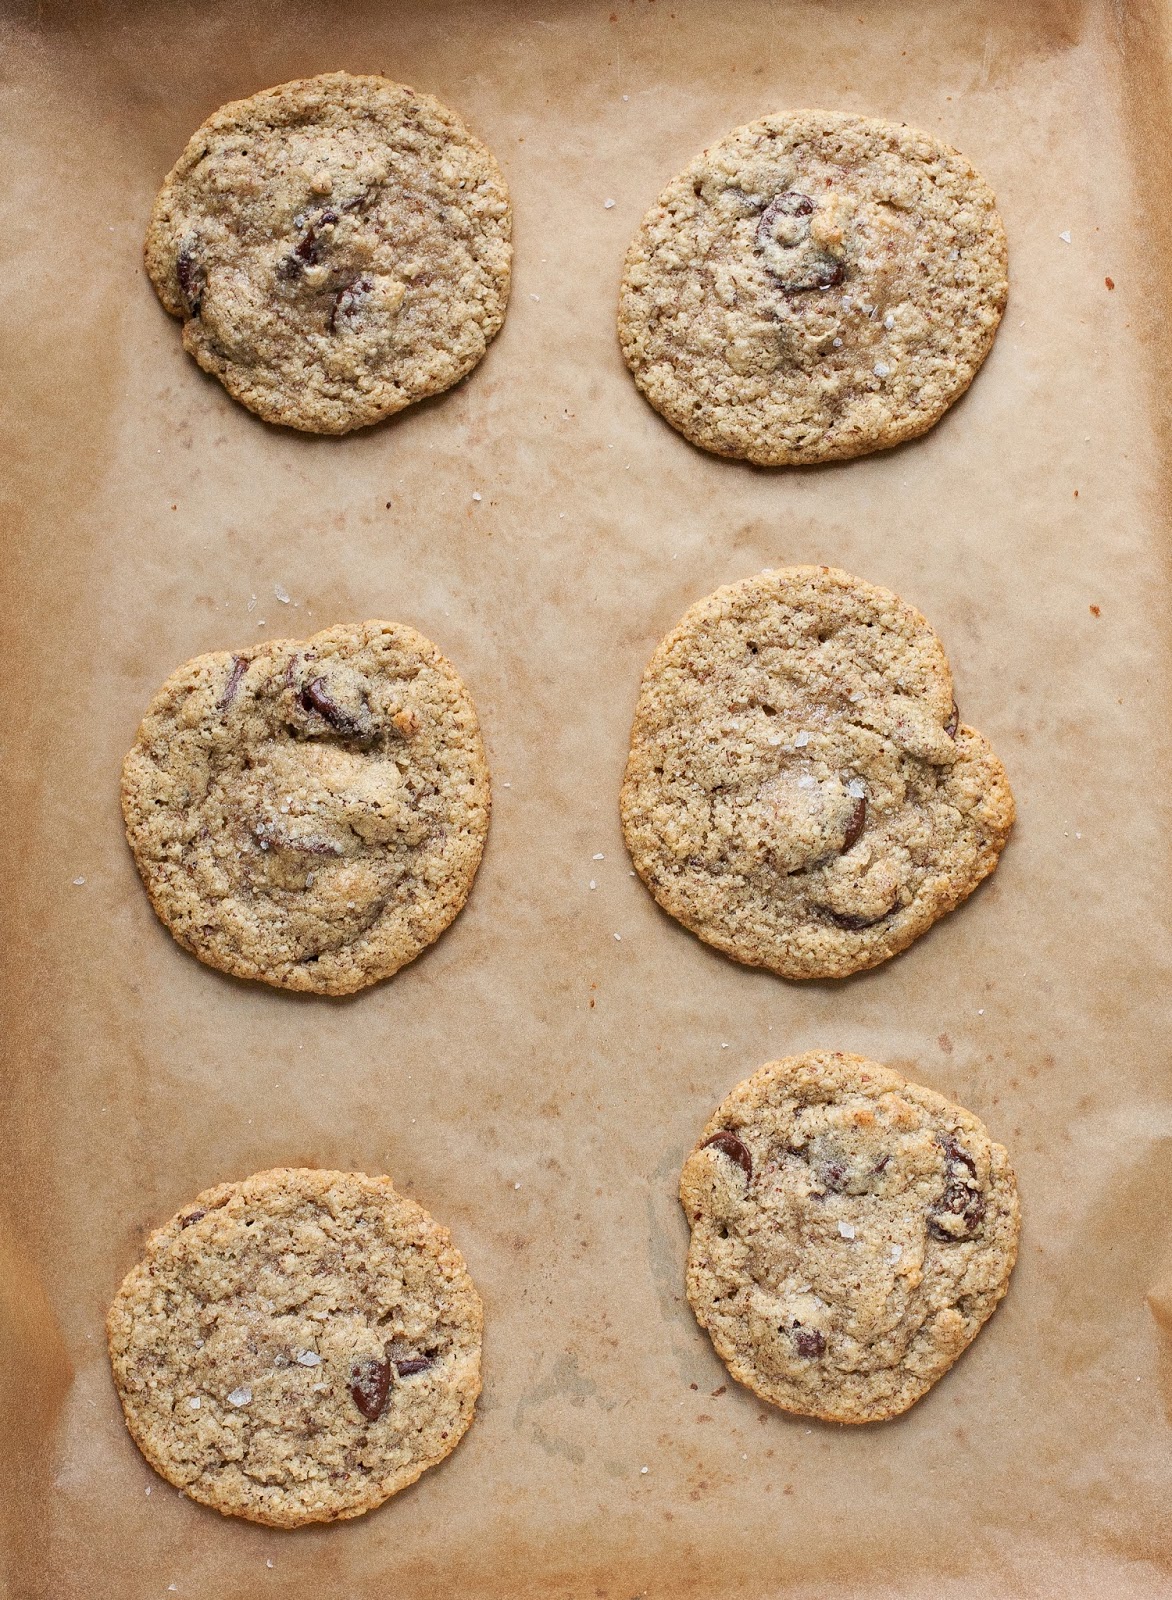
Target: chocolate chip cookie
813	286
336	248
800	791
297	1347
311	814
851	1234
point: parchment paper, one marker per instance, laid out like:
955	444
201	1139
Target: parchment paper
532	1047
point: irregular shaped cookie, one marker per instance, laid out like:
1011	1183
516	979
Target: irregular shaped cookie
813	286
297	1347
851	1234
337	248
310	814
799	791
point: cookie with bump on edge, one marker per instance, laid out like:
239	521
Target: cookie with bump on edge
851	1233
337	248
297	1347
800	791
814	286
310	814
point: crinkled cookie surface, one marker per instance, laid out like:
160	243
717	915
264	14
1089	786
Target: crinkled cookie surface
800	791
297	1347
336	248
310	814
813	286
851	1234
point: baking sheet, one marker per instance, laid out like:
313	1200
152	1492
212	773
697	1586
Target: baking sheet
145	512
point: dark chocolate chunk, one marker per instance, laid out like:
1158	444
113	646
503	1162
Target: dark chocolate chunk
808	1342
727	1142
192	1216
843	919
370	1384
315	696
854	827
953	722
961	1208
191	276
239	668
411	1365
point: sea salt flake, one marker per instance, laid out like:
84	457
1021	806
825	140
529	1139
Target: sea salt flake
309	1358
806	782
644	1469
78	881
856	789
598	857
847	1230
281	593
241	1396
607	205
195	1403
802	740
837	343
889	322
1065	236
618	935
593	885
881	369
477	495
954	255
894	1252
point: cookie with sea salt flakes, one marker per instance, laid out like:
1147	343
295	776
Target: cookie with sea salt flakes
336	248
813	286
800	791
851	1234
297	1347
310	814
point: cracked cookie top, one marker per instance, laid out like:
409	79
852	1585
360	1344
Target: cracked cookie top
851	1234
336	248
310	814
297	1347
800	791
814	286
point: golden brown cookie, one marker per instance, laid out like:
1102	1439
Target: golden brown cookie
800	791
851	1234
311	814
297	1347
814	286
336	248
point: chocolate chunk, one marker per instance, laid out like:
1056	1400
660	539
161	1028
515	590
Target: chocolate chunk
370	1383
315	696
790	204
346	301
854	827
834	1176
192	1216
239	668
808	1342
191	276
855	924
961	1208
727	1142
411	1365
953	722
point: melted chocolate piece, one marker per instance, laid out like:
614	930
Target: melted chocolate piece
315	696
728	1144
192	1216
411	1365
345	301
835	1176
790	204
370	1384
953	722
808	1342
856	824
961	1199
843	919
239	668
191	276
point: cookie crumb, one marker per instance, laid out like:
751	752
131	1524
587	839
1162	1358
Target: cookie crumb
1110	282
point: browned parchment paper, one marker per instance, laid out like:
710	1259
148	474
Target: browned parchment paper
531	1048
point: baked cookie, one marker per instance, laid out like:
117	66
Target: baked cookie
336	248
297	1347
800	792
851	1234
310	814
813	286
